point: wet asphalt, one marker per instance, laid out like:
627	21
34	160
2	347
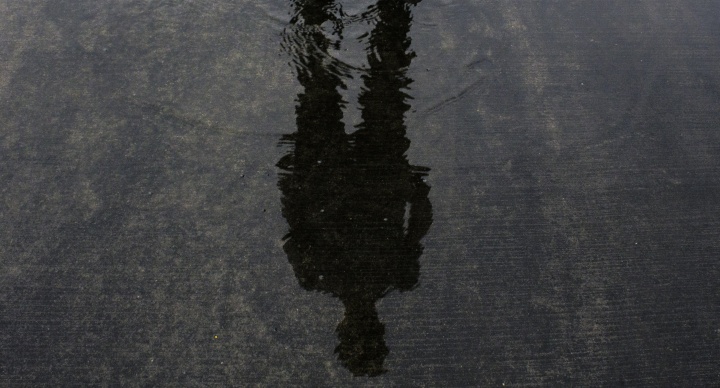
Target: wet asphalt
371	193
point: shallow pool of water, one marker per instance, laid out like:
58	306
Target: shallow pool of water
390	193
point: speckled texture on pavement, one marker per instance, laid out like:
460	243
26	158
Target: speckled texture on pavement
568	150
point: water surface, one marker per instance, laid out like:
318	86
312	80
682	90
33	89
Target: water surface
378	192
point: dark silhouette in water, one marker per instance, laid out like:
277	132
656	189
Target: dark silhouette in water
355	207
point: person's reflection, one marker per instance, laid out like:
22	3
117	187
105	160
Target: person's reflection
356	208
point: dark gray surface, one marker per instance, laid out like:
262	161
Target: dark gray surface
574	149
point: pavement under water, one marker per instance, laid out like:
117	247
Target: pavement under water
359	193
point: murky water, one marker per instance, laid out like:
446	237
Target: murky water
373	193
